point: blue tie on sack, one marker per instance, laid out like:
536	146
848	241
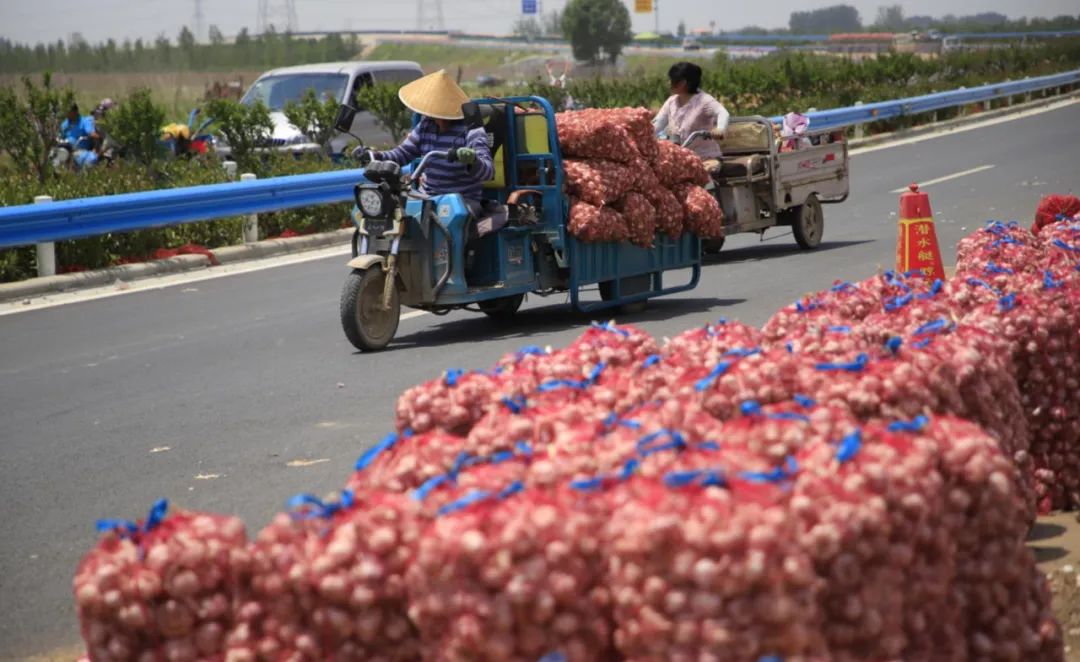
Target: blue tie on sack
706	382
849	446
316	507
914	425
855	366
699	477
371	454
127	528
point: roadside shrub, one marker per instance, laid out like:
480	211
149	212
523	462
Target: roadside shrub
382	101
136	125
315	117
244	127
30	123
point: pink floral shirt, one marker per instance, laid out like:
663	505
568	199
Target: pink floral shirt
701	113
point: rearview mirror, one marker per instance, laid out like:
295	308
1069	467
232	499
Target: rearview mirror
473	117
345	116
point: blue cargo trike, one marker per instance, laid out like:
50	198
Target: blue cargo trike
427	253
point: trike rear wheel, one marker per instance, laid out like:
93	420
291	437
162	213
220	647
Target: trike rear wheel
627	286
503	308
366	324
807	223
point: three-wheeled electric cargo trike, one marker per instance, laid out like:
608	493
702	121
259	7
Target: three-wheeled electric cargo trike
759	186
426	253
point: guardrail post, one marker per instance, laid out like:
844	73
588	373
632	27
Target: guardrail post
860	132
251	223
46	250
230	170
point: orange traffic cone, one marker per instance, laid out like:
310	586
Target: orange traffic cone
916	243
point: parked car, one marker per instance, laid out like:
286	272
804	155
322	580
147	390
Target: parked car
691	44
338	80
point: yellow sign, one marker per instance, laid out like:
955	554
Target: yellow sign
643	6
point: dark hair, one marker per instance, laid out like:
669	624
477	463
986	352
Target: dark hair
688	73
74	108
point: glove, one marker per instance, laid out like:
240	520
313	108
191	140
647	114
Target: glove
716	134
464	155
364	155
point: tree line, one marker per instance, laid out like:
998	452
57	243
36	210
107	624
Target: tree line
267	50
891	18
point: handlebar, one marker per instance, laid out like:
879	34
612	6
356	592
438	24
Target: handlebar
695	135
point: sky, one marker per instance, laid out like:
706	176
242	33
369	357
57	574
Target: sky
48	20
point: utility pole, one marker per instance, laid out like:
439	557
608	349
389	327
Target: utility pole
200	21
422	15
277	13
656	13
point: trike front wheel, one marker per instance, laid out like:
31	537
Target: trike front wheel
367	325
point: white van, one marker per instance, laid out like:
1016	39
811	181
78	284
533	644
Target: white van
338	80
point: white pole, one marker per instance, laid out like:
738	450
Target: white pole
860	129
251	223
46	250
230	170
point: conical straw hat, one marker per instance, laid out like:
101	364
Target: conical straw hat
435	95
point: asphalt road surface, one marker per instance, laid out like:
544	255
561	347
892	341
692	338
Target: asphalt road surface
233	394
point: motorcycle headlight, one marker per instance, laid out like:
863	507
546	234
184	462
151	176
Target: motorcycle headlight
371	203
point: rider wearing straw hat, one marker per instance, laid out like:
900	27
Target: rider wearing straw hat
438	99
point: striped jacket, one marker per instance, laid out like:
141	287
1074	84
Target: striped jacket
442	177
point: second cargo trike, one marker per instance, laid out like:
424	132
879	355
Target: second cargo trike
764	181
426	252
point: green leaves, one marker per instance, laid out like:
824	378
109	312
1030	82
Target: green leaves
30	124
244	127
595	26
135	125
314	117
382	101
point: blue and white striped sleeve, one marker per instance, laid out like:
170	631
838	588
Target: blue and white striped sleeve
406	152
484	168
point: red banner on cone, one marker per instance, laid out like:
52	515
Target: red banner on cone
916	241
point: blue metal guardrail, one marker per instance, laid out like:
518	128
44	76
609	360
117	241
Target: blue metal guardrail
73	219
872	112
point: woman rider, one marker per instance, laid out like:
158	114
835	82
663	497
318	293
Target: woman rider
689	109
438	100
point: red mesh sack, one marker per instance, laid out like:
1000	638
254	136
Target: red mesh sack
640	218
1052	207
328	582
1002	596
1062	247
669	211
598	182
676	164
707	345
408	462
703	571
702	212
588	135
513	573
638	123
162	588
1039	322
596	224
458	399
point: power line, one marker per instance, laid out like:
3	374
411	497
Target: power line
277	14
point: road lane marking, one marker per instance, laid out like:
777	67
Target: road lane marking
955	175
306	463
414	313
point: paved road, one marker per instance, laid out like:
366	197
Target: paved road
206	392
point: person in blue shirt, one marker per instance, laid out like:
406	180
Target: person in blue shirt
81	133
